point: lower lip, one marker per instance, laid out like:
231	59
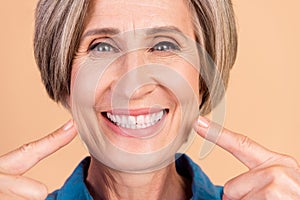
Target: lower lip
142	133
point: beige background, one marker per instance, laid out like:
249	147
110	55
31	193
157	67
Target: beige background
262	100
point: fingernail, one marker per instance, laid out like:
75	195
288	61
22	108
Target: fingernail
225	197
203	122
68	125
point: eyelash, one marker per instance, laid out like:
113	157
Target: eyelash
165	46
107	47
160	47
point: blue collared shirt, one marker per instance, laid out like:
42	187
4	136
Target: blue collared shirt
202	187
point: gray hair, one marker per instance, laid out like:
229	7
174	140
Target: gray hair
59	26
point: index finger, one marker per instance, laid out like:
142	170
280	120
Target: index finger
244	149
22	159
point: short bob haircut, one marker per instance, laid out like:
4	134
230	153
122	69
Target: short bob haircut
59	26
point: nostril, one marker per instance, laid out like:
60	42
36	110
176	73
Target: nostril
143	91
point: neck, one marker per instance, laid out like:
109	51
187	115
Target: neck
105	183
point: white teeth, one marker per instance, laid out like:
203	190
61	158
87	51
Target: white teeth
135	122
147	119
140	119
118	119
124	121
152	118
159	115
131	120
113	117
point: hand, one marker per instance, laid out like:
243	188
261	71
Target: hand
270	176
12	165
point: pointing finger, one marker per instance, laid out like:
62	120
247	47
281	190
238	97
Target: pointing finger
18	187
244	149
22	159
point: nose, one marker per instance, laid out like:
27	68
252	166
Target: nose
133	59
135	81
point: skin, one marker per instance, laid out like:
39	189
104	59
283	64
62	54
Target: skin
270	175
129	17
14	164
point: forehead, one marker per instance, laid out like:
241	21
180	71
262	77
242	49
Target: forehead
129	15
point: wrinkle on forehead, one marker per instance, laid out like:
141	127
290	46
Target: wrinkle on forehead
161	4
130	15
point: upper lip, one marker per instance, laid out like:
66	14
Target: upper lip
135	112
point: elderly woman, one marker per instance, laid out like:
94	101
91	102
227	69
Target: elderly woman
134	74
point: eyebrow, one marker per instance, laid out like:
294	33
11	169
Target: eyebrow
149	31
164	29
102	31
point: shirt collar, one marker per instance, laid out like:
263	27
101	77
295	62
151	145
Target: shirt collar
202	187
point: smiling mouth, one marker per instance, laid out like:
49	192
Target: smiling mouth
135	122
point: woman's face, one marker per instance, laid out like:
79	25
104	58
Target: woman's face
146	60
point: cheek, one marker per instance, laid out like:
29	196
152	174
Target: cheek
193	77
190	74
188	71
77	62
73	75
72	82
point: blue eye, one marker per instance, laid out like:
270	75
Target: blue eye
165	46
103	47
